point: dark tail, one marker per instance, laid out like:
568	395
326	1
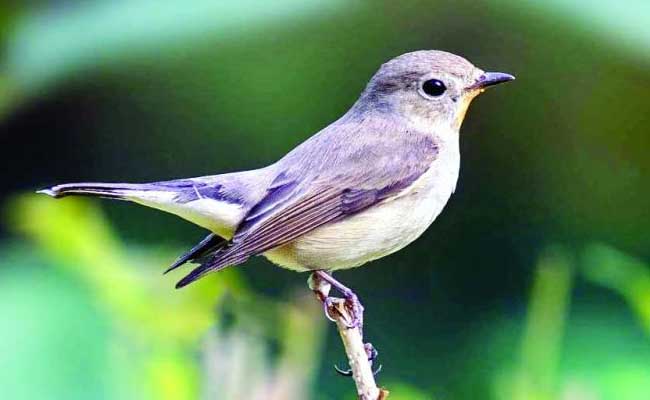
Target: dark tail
210	244
108	190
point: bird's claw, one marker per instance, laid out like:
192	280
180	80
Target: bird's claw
343	372
371	352
328	303
356	311
348	372
321	282
372	356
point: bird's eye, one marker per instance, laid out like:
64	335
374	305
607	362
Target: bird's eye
434	88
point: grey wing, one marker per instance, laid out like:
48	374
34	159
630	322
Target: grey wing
296	204
208	245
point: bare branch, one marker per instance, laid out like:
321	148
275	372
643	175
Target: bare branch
352	338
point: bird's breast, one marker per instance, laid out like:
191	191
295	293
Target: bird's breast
378	231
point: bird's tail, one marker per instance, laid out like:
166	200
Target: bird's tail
191	199
217	203
205	201
121	191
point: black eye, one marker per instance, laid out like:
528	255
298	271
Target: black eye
434	87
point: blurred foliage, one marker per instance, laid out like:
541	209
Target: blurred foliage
77	236
154	336
49	46
536	376
623	274
484	305
545	321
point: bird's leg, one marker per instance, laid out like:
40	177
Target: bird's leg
322	290
321	283
353	303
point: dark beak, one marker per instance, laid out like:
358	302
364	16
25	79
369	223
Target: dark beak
490	79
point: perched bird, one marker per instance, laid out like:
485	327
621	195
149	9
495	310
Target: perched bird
362	188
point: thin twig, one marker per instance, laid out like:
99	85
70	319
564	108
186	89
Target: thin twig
352	338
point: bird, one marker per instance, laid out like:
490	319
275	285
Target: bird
360	189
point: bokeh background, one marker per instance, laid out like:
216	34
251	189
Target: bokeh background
533	284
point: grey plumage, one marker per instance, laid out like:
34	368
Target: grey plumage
381	150
325	179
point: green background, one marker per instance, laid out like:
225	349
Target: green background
534	283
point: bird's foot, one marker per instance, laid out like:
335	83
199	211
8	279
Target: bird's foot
351	304
329	303
372	356
347	310
356	311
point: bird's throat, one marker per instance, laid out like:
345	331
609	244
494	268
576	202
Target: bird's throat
462	109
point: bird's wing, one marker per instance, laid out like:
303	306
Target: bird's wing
344	184
210	244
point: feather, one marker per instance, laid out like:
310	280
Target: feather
210	244
317	196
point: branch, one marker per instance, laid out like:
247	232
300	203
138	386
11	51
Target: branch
352	338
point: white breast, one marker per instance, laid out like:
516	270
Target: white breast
380	230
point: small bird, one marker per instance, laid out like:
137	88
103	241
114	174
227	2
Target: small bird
362	188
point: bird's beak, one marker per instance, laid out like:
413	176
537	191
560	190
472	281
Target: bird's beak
490	79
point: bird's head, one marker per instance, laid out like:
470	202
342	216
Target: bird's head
432	88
